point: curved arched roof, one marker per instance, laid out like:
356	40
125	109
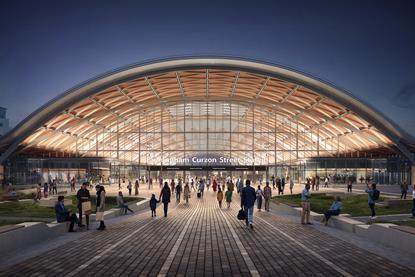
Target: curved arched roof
275	102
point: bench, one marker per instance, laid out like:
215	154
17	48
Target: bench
8	228
344	223
388	234
407	229
396	202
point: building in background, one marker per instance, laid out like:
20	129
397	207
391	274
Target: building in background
4	122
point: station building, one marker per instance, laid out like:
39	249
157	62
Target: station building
206	116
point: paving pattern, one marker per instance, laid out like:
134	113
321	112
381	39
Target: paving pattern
199	239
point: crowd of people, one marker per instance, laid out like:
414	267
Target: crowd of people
223	189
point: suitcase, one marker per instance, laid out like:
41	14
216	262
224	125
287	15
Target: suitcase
199	195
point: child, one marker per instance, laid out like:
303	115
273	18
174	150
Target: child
228	197
153	204
219	196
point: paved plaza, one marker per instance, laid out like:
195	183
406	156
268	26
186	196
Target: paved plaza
199	239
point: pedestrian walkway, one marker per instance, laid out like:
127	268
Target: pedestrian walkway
201	239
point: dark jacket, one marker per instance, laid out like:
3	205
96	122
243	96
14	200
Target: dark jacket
153	203
165	194
61	212
248	196
82	193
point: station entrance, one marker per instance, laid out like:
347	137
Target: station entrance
220	173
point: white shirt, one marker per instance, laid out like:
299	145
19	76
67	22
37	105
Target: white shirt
413	193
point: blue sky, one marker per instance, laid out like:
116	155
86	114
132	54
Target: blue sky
365	47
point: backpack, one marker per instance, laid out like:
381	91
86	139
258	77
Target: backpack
376	194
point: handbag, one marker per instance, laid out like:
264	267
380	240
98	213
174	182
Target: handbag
241	214
86	207
99	216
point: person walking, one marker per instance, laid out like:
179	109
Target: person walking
413	201
201	187
317	183
100	203
335	209
247	202
55	186
165	195
273	181
349	186
129	187
178	192
192	184
305	204
136	187
186	192
153	204
326	182
267	195
215	185
83	196
404	189
172	186
282	185
228	197
45	190
372	197
291	185
313	183
73	181
219	197
279	186
231	186
259	195
38	192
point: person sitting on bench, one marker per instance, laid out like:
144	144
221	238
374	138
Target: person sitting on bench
334	210
63	214
121	204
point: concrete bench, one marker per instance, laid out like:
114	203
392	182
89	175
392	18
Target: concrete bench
396	202
8	228
344	223
29	233
388	234
11	198
408	229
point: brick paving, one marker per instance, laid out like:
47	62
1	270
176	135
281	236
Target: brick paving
203	240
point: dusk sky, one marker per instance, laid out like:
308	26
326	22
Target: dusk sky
365	47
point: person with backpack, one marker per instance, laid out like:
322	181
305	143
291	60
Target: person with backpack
373	196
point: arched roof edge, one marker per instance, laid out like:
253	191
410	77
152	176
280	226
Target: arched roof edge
150	67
